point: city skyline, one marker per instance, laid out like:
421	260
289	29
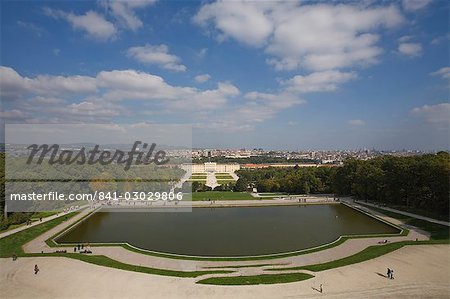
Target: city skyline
272	75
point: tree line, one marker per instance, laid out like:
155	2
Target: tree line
417	182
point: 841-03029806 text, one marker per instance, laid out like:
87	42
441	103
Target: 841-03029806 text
99	195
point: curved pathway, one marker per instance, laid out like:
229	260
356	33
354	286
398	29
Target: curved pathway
426	277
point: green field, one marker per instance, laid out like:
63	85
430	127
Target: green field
257	279
224	176
197	180
219	195
225	181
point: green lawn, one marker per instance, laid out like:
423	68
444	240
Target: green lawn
221	182
12	244
221	195
437	231
223	176
197	180
105	261
256	279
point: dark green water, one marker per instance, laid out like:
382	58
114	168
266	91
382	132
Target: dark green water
228	231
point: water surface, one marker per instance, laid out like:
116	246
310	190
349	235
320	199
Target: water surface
228	231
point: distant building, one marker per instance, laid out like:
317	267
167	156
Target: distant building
211	167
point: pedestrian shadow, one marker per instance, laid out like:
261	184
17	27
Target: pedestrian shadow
382	275
318	290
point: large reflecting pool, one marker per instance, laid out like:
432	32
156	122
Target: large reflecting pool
228	231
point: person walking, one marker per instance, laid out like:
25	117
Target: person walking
36	269
388	273
392	274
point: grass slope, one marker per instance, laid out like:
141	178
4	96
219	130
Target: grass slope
256	279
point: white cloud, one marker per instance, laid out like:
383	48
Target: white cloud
438	40
38	30
104	97
202	78
13	115
411	5
202	52
436	114
356	122
410	49
259	108
317	37
244	21
124	11
443	72
15	86
277	101
158	55
405	38
89	108
318	81
93	24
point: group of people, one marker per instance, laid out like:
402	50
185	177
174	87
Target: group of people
79	247
390	273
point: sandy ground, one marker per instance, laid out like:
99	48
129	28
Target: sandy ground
420	272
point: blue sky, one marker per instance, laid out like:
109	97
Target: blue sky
277	75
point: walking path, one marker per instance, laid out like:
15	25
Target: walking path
23	227
420	272
211	180
406	213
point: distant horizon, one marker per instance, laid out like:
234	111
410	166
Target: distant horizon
267	149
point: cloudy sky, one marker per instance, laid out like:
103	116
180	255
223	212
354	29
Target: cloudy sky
277	75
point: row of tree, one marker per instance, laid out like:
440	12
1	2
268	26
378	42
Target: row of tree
296	180
418	182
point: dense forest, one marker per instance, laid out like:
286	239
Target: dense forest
296	180
418	182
